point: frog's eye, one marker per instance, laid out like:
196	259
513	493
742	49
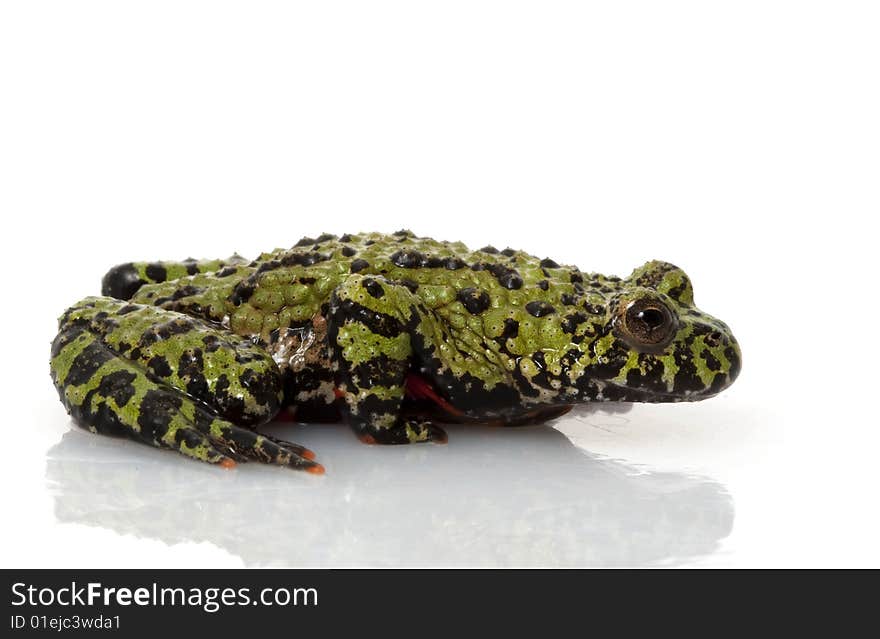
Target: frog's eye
648	324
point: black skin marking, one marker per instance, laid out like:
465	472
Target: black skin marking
712	339
359	265
271	265
158	408
307	379
491	250
543	285
184	291
229	406
548	263
593	309
156	272
540	308
211	342
538	358
571	322
302	259
379	371
652	379
191	365
347	251
159	366
543	378
304	242
511	328
373	288
507	277
121	282
568	299
118	387
346	238
474	300
686	379
380	323
450	263
577	278
712	362
408	259
164	331
242	292
508	252
87	363
610	367
675	293
409	284
263	387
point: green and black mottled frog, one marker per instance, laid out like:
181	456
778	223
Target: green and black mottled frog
394	334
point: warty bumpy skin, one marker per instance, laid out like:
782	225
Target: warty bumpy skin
392	333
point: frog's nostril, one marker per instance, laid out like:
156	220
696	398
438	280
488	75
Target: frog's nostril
714	338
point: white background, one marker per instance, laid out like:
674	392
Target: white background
739	140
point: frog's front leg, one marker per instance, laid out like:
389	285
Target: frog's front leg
369	328
171	381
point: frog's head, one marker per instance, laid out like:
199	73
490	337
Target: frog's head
657	346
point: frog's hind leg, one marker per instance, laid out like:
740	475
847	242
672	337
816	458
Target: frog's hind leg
124	280
170	381
369	325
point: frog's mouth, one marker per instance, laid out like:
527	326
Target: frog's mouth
615	392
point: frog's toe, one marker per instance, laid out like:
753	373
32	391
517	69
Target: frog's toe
249	445
302	451
193	443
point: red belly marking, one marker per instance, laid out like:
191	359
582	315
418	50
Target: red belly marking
417	387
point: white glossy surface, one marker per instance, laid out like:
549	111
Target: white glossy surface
514	497
738	141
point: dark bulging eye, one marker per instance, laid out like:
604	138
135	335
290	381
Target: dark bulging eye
652	318
649	324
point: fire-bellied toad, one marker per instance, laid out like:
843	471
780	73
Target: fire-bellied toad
392	333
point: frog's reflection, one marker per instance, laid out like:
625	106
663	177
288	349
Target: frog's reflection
517	496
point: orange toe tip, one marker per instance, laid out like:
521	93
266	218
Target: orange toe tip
307	454
317	469
367	439
228	463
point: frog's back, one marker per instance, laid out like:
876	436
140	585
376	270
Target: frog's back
287	287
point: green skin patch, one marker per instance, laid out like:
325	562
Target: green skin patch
393	333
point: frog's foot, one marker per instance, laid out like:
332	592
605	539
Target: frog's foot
171	382
242	444
406	431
